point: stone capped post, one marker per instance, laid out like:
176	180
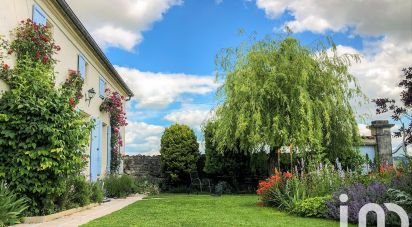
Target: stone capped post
381	130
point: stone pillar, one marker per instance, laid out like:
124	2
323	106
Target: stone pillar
381	130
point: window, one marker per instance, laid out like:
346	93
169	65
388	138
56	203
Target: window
39	16
102	87
81	66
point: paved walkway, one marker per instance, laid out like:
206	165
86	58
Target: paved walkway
87	215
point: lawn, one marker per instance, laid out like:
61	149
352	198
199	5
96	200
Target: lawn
203	210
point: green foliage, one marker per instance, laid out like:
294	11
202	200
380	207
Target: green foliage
179	152
11	206
277	93
287	194
323	179
311	207
97	194
227	162
119	186
80	191
144	186
232	165
401	198
213	163
42	139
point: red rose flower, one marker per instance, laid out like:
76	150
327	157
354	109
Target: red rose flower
45	59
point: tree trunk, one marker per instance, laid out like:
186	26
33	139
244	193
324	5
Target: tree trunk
273	159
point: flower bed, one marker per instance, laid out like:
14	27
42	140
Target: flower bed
315	193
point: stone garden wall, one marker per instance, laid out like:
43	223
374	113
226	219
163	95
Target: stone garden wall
143	166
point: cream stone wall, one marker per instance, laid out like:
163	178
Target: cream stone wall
72	44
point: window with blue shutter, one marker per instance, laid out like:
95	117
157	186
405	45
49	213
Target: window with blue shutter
102	87
39	16
81	66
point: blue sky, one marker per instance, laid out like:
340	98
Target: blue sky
165	49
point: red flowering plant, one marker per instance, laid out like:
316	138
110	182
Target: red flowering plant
267	184
5	70
270	189
6	73
113	104
36	41
74	84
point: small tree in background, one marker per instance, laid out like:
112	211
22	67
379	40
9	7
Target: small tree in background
179	153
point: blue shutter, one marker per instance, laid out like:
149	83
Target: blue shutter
102	87
39	16
81	66
99	153
95	151
109	148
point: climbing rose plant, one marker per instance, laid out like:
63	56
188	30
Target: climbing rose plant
42	140
74	84
36	41
113	104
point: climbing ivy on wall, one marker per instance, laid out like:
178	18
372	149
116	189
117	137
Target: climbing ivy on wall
42	137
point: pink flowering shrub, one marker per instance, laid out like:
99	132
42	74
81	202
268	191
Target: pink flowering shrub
113	104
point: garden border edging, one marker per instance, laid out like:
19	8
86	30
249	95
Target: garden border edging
50	217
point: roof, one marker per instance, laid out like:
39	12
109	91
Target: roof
75	20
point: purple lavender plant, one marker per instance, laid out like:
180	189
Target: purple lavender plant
359	195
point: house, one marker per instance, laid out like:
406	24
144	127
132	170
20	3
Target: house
78	51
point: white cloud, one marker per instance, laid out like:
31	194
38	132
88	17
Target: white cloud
143	138
120	23
363	130
379	72
192	115
380	69
156	90
367	17
116	37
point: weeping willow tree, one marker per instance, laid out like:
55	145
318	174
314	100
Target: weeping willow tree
278	93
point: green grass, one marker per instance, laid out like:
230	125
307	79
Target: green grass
203	210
